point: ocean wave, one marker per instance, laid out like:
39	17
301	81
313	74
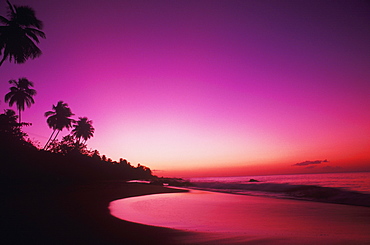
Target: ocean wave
285	190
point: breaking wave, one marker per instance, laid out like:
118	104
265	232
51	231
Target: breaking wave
284	190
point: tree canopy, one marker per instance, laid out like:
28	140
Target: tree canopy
21	94
18	36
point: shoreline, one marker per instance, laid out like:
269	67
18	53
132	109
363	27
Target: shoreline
224	218
79	214
76	214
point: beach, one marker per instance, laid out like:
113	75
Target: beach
75	214
80	214
221	218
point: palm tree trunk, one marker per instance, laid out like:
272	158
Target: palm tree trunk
45	147
20	120
56	135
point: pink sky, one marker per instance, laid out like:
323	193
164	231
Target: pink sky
195	88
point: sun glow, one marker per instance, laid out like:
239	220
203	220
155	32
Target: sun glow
215	88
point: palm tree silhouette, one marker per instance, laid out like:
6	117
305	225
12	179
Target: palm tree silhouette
19	34
58	119
21	94
83	129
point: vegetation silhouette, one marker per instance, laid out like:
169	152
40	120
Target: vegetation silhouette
58	119
83	129
10	130
19	34
68	145
43	190
21	94
67	162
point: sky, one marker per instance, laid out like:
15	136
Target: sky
207	88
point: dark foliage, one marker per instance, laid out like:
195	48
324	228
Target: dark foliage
10	130
21	94
19	34
21	162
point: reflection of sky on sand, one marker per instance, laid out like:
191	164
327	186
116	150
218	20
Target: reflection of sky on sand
239	215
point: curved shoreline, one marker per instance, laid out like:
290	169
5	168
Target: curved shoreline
76	214
222	218
79	214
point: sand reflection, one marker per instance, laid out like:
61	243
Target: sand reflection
249	216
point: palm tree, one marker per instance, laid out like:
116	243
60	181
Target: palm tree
19	34
21	94
58	119
83	129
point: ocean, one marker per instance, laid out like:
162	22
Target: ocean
342	188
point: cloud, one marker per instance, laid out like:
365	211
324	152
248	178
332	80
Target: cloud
306	163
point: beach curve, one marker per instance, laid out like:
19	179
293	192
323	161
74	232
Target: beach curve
232	219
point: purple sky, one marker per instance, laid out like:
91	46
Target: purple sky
188	86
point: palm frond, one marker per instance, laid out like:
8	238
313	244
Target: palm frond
13	82
17	37
48	113
26	16
4	20
33	33
7	97
12	101
11	8
25	83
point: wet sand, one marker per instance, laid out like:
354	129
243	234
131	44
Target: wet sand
218	218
